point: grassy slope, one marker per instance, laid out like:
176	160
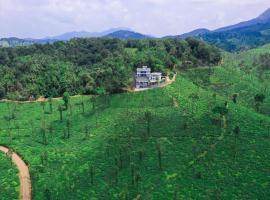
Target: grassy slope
237	75
9	184
199	159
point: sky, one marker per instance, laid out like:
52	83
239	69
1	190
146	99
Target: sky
41	18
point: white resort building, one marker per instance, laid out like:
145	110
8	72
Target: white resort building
146	79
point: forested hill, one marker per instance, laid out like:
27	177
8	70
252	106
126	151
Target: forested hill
90	66
238	37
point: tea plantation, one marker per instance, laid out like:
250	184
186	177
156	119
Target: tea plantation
9	184
194	139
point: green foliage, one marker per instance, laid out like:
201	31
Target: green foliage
50	104
185	157
259	98
264	61
9	184
222	110
115	159
66	98
239	79
82	66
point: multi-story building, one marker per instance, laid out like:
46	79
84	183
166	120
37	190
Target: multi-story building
146	79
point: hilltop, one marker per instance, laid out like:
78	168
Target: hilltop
127	35
193	33
93	66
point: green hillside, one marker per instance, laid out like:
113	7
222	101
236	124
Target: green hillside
178	142
240	74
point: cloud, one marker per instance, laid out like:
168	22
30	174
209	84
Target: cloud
32	18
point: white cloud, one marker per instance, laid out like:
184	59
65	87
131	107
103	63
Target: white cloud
39	18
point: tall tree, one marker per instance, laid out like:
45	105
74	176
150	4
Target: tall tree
61	109
51	104
148	119
259	99
222	111
66	99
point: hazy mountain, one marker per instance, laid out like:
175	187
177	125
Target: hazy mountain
70	35
123	34
13	42
194	33
241	36
264	18
83	34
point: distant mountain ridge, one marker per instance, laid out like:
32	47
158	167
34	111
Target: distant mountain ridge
84	34
193	33
237	37
123	34
264	18
265	15
241	36
13	42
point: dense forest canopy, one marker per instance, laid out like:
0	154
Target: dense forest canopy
84	66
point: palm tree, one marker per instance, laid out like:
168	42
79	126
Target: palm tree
94	108
259	99
43	135
86	131
148	118
51	104
60	109
234	98
66	99
91	172
31	122
68	127
222	111
236	132
82	104
159	156
43	104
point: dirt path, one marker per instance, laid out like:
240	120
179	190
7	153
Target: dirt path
169	81
41	99
25	181
175	102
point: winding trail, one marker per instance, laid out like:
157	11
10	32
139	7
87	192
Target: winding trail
175	102
40	99
25	181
